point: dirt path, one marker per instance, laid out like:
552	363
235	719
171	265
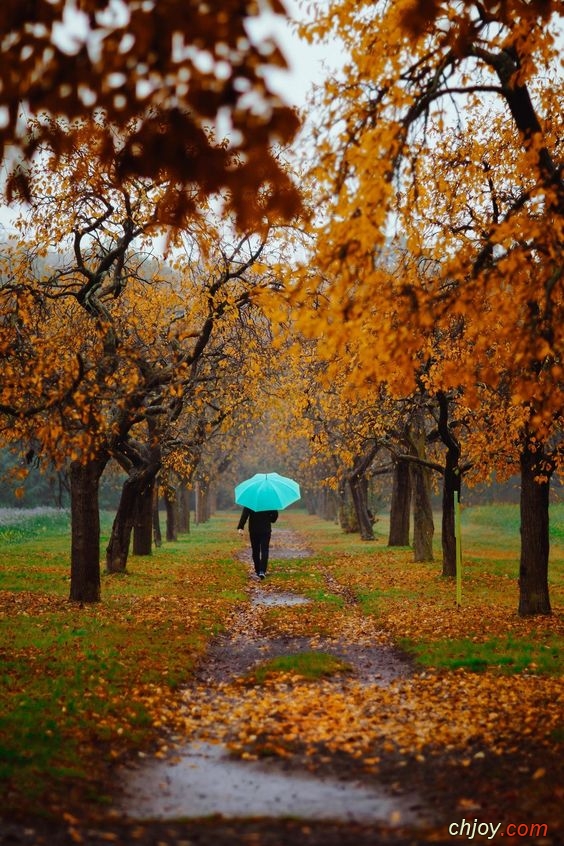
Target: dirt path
202	779
244	645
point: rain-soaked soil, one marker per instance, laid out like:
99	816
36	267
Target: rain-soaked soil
201	779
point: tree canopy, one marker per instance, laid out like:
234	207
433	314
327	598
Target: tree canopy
189	75
440	180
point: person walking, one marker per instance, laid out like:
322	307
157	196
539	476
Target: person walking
260	529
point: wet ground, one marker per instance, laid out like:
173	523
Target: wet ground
201	779
204	781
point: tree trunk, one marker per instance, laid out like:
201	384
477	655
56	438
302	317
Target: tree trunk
143	522
171	506
359	492
197	504
183	509
85	530
358	484
423	526
348	520
117	550
138	487
157	535
204	504
401	505
535	545
451	485
330	508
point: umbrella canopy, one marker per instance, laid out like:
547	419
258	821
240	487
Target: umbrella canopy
267	492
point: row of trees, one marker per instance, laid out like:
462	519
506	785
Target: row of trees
113	351
115	120
436	275
139	295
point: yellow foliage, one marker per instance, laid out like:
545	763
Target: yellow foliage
438	238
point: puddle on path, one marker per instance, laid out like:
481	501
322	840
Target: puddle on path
278	598
205	781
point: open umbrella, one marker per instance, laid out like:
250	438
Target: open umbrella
267	492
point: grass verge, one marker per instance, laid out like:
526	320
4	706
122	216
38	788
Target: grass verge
78	685
309	664
416	606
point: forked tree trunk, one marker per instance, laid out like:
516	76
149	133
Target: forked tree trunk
401	505
138	487
117	550
359	492
535	544
85	530
358	484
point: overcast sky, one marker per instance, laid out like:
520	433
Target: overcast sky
306	60
306	64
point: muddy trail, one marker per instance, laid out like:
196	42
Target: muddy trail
245	645
203	778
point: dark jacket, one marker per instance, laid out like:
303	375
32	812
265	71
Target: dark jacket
259	521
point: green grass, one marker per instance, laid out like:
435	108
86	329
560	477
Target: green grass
385	579
310	664
67	674
497	527
34	523
506	655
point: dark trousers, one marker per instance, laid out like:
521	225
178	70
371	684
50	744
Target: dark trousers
260	543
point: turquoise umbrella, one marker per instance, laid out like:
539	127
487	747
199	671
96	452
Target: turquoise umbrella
267	492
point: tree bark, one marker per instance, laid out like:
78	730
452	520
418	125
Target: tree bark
143	521
85	530
197	504
358	484
183	509
348	520
172	511
329	506
157	535
535	545
137	488
401	505
117	550
451	485
423	526
359	492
